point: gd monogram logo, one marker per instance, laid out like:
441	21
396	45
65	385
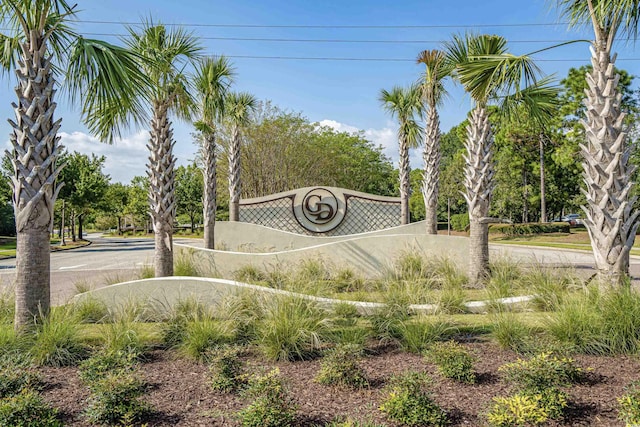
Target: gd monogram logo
319	210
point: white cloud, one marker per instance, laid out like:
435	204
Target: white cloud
386	137
124	159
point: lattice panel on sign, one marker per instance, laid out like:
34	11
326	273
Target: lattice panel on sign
366	215
277	213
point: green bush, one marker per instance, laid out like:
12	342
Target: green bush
453	361
291	328
516	411
630	405
460	222
271	406
407	403
94	368
27	409
529	228
340	368
225	369
542	372
115	399
16	374
353	423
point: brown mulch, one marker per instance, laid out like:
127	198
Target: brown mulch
179	392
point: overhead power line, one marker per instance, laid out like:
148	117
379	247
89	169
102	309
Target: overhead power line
544	24
326	58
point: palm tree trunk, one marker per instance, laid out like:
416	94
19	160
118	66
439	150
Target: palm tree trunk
234	176
610	217
35	150
404	182
479	188
431	176
210	189
161	188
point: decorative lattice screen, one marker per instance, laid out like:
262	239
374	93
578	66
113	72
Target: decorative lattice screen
324	211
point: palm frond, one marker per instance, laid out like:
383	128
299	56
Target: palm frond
110	83
405	104
9	51
212	79
240	105
538	101
437	68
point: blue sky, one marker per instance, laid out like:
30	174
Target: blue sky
339	93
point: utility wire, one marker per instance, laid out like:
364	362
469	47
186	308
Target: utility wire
544	24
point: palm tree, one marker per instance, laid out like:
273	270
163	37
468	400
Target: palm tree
610	217
436	70
213	77
488	73
166	53
404	103
239	107
41	46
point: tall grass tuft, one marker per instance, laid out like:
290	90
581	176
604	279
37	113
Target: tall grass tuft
202	335
185	265
90	310
290	328
599	323
56	340
7	306
123	336
511	333
417	334
550	286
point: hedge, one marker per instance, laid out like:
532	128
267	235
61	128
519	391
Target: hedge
530	228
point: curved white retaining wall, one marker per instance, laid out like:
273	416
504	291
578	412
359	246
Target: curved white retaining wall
167	291
369	254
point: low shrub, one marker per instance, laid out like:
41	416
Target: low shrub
529	228
340	368
349	422
291	328
516	411
16	374
271	406
453	361
407	402
629	404
225	369
27	409
542	372
116	386
460	222
115	399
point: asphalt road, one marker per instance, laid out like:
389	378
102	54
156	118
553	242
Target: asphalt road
112	260
105	261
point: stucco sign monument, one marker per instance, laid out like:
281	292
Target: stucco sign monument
323	211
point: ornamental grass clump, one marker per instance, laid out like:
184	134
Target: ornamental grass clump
453	361
408	403
339	367
271	404
55	340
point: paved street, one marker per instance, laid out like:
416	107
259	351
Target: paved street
105	261
113	260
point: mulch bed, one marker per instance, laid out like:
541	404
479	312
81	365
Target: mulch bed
180	394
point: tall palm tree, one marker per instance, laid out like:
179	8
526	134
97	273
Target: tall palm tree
166	53
239	107
404	103
489	73
437	68
41	46
212	79
610	217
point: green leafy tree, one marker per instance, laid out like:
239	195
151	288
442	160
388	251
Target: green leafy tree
7	221
117	198
85	184
40	46
166	53
405	104
189	190
137	208
610	215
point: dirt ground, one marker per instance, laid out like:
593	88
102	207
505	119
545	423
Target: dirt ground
179	392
